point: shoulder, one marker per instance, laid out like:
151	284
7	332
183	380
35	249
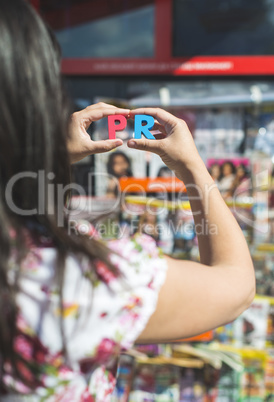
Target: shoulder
138	257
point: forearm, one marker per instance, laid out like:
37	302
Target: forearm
220	238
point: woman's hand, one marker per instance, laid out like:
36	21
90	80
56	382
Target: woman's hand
79	143
175	144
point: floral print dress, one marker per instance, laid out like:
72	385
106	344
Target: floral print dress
99	320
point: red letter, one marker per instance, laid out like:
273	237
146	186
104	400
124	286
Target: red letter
112	127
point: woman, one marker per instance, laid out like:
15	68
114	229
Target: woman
164	171
228	171
148	224
241	185
118	166
69	305
215	172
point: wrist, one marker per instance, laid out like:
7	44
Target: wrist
188	170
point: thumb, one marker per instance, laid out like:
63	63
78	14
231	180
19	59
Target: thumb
104	145
145	145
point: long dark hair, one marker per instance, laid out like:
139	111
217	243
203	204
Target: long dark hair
110	162
232	166
34	115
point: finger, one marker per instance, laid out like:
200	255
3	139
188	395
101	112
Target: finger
99	104
162	116
105	145
159	136
103	105
159	127
91	115
98	111
146	145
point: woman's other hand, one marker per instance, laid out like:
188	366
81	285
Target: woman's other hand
174	144
79	143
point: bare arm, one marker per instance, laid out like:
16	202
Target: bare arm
198	297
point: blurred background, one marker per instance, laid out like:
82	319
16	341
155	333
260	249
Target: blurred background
210	62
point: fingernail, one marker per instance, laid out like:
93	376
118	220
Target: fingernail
117	143
132	144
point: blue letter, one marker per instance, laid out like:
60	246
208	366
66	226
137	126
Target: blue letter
139	129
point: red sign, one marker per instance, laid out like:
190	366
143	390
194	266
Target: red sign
222	65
